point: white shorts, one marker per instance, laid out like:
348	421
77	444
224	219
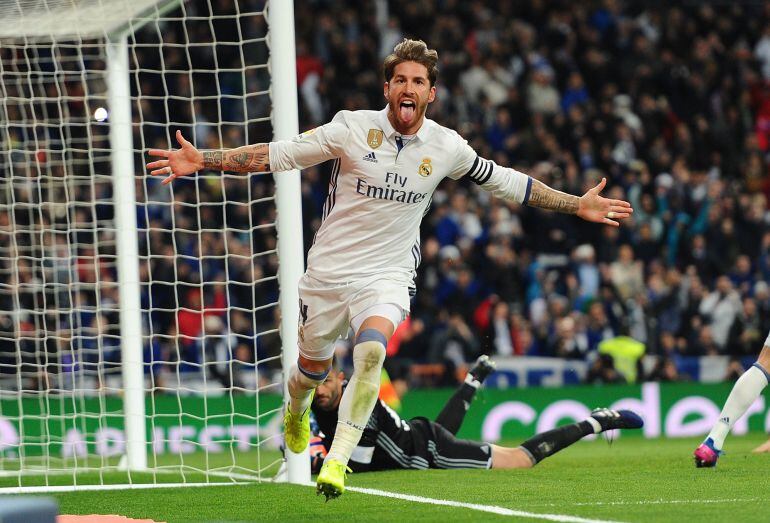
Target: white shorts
327	311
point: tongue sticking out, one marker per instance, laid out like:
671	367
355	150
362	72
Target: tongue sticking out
406	112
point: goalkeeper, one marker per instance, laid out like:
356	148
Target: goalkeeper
389	442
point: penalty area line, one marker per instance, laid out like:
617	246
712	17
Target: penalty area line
492	509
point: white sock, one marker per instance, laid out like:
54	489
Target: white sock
745	391
300	389
470	380
358	400
595	424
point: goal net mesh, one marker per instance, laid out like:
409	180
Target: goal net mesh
207	245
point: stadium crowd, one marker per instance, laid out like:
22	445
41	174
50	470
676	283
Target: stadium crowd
671	104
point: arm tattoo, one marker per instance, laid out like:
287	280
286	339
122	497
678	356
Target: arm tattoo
546	198
241	159
261	160
212	159
247	159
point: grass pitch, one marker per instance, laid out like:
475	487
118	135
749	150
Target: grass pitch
632	480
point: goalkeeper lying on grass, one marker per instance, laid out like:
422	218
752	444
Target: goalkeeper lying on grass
389	442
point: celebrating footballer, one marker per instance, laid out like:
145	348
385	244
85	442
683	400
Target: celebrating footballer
362	265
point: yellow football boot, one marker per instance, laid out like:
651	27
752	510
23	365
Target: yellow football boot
296	429
331	479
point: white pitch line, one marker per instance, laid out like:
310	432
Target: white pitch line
125	486
492	509
243	479
658	502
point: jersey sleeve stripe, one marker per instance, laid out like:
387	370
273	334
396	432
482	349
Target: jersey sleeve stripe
416	255
328	200
427	207
473	168
529	190
331	198
488	174
336	178
477	173
484	172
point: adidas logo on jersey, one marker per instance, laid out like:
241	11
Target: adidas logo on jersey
370	157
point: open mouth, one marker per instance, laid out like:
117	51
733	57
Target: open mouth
407	109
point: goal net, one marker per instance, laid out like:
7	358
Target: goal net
140	323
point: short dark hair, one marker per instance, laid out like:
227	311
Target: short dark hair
412	51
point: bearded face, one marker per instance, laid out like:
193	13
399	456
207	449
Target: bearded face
408	93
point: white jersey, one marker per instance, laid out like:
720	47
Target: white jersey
380	189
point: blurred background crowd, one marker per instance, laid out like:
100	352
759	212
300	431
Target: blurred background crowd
671	103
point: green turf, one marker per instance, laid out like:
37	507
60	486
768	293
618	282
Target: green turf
633	480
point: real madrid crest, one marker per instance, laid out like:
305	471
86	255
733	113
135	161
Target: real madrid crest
374	138
425	168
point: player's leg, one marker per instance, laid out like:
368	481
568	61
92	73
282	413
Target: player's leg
511	458
452	415
448	452
360	395
541	446
764	447
322	320
444	450
304	377
374	327
747	389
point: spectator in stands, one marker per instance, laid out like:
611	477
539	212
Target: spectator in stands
665	370
498	337
220	348
626	274
747	329
720	309
569	340
705	344
587	272
603	370
598	327
454	346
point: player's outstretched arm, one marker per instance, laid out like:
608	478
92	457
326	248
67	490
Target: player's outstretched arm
188	159
591	206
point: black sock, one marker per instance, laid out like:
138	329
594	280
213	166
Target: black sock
453	413
549	443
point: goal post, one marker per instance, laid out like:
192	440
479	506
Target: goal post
127	239
285	126
140	323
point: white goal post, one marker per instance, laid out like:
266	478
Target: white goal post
144	329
